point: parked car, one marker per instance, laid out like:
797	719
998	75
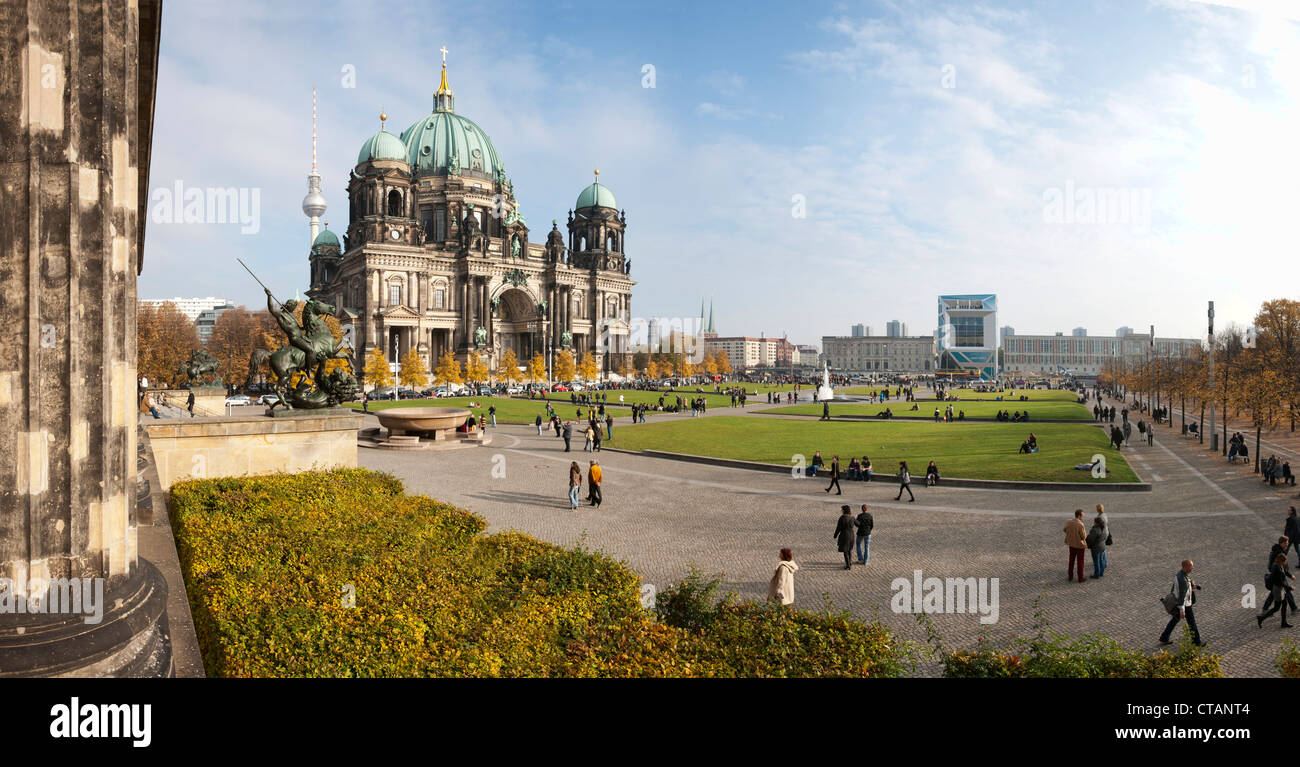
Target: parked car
268	399
239	399
514	390
560	387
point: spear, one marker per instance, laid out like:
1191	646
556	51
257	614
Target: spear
259	282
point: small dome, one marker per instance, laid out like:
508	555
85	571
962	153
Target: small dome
325	237
382	146
596	196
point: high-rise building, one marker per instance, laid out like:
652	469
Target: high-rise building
207	320
895	329
967	338
1124	331
860	330
1079	332
1007	330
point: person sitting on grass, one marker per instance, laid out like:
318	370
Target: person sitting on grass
961	415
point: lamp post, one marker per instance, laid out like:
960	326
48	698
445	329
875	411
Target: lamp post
1214	435
396	346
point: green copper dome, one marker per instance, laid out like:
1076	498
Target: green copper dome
382	146
325	237
596	196
445	142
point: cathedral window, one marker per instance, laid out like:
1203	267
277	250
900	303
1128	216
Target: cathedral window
394	203
394	294
440	225
439	298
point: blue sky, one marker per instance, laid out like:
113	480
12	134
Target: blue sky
925	142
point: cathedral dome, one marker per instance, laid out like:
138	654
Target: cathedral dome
596	196
326	237
444	142
382	146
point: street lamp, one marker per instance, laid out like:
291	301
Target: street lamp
396	346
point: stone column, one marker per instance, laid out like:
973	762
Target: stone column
76	111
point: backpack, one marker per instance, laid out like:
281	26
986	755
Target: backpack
1142	427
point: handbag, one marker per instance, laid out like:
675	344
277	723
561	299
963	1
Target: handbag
1110	540
1171	603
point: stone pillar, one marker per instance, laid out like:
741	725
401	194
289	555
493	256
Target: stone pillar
76	111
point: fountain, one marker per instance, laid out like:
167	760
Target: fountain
825	392
421	428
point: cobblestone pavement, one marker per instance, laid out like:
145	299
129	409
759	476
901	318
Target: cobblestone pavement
663	517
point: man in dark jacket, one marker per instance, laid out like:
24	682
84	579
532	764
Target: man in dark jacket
845	534
865	524
568	434
1185	589
835	476
1281	547
1292	530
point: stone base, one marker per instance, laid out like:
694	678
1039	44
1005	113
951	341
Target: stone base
442	439
280	412
208	400
250	445
131	640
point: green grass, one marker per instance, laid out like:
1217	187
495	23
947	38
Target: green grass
1038	411
972	451
652	397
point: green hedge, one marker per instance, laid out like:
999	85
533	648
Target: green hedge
270	562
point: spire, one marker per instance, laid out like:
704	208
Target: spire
313	205
711	330
444	100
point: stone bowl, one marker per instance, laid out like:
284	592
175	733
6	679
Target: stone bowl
403	420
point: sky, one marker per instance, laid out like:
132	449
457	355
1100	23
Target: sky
803	166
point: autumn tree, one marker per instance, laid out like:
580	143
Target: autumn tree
166	339
235	335
476	370
652	369
1278	346
723	361
565	370
412	372
448	370
510	366
377	372
589	370
537	368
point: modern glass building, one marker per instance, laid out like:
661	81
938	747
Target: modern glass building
967	337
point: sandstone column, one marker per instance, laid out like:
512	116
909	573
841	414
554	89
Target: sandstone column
76	122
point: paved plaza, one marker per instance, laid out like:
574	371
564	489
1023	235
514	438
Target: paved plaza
663	517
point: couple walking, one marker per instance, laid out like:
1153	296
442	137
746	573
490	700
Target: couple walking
594	478
850	531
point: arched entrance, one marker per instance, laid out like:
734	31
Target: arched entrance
518	325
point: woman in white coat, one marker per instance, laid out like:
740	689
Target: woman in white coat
781	588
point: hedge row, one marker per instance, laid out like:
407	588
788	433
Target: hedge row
342	574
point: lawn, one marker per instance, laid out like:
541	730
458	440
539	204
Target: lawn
1038	411
972	451
652	397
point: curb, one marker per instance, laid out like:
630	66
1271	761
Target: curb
982	484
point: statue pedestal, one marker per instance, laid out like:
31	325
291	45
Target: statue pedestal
208	400
249	445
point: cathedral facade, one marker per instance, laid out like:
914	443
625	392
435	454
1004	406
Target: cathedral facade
437	257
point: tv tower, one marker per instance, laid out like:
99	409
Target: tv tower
314	203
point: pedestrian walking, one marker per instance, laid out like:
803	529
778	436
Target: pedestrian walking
1076	537
1277	583
846	535
568	433
189	404
492	413
1292	529
588	438
539	424
835	476
609	425
595	438
865	525
1180	603
1280	547
575	484
594	477
904	483
781	587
